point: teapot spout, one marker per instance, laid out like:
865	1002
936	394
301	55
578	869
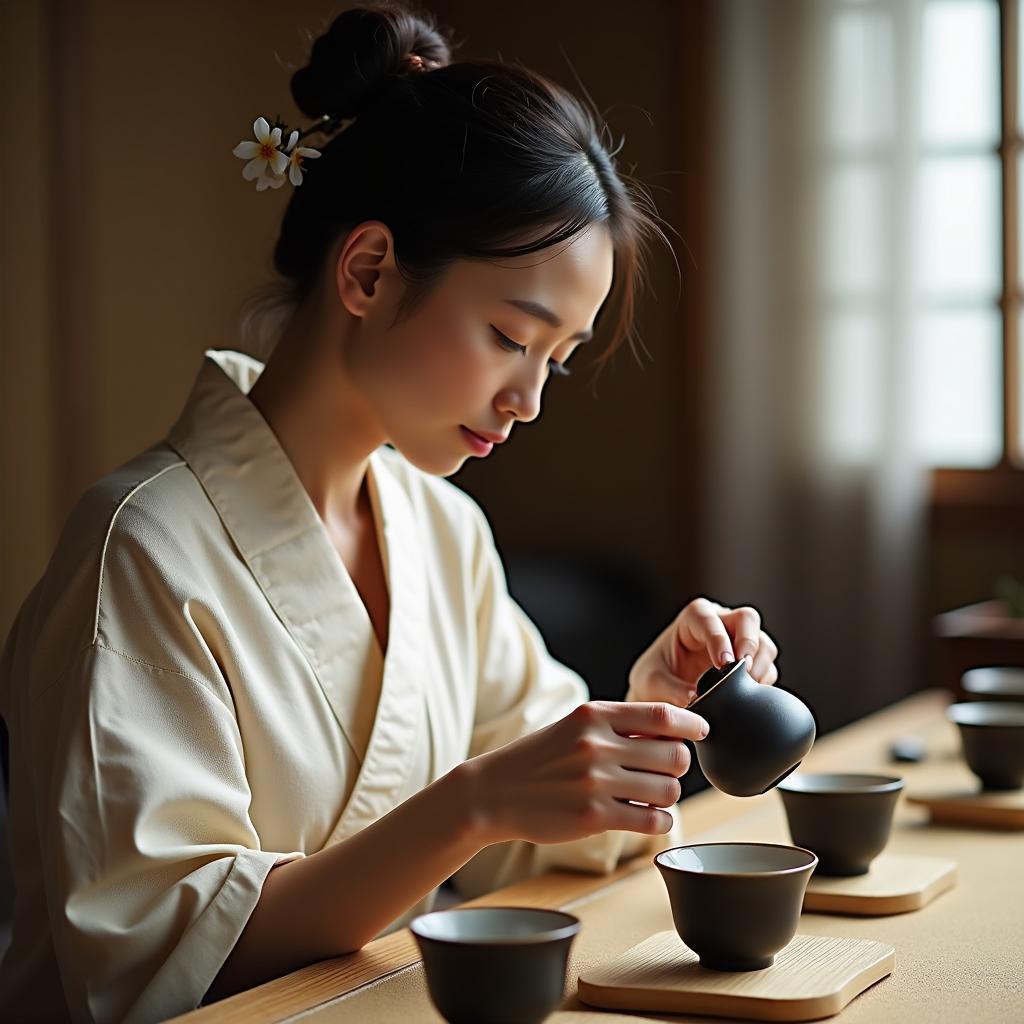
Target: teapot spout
781	777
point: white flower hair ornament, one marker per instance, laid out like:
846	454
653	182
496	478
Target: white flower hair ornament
269	161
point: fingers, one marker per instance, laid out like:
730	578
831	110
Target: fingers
745	625
646	788
763	668
728	634
701	626
650	821
665	757
650	718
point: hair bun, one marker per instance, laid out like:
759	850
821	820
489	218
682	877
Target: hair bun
362	51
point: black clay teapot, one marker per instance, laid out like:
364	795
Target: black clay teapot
758	734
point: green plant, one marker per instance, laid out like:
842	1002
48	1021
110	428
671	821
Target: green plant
1012	592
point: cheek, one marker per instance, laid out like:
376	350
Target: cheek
441	368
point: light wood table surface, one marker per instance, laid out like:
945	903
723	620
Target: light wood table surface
960	959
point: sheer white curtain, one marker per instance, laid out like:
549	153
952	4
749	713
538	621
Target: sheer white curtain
815	510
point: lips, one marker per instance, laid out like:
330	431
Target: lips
493	438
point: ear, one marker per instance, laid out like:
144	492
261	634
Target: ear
368	252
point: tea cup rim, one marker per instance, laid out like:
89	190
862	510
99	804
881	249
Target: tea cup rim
962	713
570	927
881	783
796	869
980	681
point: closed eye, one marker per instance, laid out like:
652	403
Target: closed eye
513	346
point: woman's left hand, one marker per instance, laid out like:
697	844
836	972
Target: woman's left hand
703	634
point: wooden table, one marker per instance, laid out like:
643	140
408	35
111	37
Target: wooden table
960	959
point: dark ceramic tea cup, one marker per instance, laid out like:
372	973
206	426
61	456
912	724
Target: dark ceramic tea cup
736	904
845	818
495	965
758	734
994	684
992	734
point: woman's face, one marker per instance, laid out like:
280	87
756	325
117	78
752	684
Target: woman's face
446	369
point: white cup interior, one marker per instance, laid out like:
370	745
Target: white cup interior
840	782
1000	681
493	924
980	712
736	858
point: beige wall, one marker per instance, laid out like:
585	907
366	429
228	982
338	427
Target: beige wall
168	239
27	518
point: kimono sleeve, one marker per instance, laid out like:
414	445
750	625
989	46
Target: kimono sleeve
151	863
521	688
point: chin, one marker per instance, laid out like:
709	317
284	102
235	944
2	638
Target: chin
434	463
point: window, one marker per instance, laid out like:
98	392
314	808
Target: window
923	119
957	259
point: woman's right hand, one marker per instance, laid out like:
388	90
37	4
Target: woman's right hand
576	778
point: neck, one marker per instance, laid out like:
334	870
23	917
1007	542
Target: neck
325	426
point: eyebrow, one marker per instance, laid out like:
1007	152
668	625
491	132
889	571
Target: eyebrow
545	314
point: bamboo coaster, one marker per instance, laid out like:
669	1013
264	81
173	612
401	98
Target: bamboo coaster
589	1017
987	808
812	977
895	884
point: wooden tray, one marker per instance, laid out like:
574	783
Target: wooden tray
962	806
813	977
895	884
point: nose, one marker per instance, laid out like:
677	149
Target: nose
521	397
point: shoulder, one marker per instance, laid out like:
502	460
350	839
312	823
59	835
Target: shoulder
111	510
145	513
131	500
120	529
151	502
58	619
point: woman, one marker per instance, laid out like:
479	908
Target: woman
271	690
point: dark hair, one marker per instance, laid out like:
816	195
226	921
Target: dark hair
466	160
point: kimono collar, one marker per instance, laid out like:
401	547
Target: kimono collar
237	457
251	482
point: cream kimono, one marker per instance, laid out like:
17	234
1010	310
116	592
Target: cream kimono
194	693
